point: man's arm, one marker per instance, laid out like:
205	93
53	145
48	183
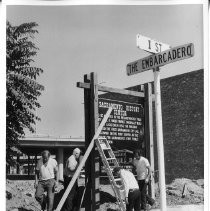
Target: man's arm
56	173
36	178
57	176
126	190
125	185
134	166
149	174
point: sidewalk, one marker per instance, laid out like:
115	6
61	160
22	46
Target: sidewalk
183	208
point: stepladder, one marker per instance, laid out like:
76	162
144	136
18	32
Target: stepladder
109	163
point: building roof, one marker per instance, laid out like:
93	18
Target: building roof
31	143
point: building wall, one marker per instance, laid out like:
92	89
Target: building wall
183	126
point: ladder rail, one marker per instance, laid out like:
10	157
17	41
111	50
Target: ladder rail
105	160
111	178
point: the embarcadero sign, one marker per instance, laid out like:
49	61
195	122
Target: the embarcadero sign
160	59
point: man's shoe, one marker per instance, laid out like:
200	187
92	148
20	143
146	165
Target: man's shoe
153	205
149	207
152	202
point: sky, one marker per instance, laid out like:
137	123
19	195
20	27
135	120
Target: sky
77	40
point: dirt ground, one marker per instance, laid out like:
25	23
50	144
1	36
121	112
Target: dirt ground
20	195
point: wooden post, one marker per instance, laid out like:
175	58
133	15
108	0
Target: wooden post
28	164
95	166
18	164
160	147
35	160
87	198
149	133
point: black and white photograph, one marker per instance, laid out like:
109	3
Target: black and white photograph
105	105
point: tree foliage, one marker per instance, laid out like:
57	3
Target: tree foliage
22	88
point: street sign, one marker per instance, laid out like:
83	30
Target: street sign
150	45
160	59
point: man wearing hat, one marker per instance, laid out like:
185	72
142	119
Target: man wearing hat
132	193
70	168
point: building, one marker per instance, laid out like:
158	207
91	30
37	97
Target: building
31	147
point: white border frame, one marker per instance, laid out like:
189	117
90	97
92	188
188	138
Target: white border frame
206	31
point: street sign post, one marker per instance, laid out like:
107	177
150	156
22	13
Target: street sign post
160	59
154	62
150	45
160	145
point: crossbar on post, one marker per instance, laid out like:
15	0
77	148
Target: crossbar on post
87	153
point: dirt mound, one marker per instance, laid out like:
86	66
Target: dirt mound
179	192
20	195
184	191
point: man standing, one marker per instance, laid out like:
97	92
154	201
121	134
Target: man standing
132	193
70	168
143	171
45	180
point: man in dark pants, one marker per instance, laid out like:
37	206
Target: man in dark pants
132	193
70	168
45	173
143	171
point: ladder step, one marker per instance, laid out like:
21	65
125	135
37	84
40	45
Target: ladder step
118	179
110	158
107	148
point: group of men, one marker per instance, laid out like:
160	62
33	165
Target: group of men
47	177
136	189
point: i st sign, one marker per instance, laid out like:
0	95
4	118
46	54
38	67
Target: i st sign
150	45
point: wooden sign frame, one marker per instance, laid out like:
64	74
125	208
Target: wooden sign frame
92	167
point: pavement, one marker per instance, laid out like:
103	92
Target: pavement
191	207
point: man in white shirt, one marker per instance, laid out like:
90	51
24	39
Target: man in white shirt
132	193
70	168
46	171
143	171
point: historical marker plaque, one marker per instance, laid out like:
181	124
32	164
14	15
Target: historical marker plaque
125	123
124	129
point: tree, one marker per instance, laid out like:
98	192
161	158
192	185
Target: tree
21	86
